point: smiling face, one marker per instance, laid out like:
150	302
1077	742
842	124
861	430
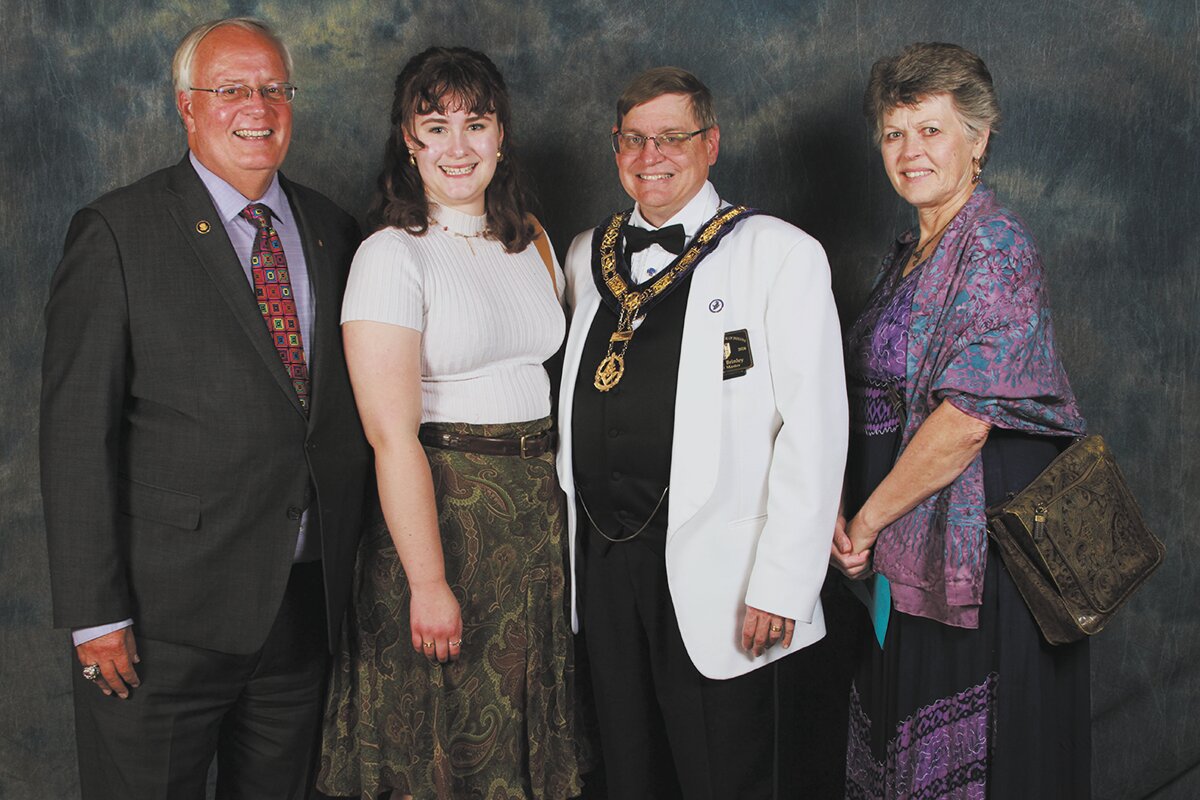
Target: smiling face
928	155
243	141
456	152
664	184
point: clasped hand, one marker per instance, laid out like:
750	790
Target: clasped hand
847	539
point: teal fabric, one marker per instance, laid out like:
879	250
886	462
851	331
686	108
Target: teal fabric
881	607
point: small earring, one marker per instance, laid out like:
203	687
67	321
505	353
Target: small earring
499	156
978	169
412	158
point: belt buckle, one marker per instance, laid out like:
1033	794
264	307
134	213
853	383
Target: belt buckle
524	438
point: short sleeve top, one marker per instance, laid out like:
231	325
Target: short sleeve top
488	319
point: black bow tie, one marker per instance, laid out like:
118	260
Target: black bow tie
670	238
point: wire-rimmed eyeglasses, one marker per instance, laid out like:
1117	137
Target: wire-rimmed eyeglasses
239	92
667	143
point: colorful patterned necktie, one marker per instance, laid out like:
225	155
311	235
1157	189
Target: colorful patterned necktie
273	290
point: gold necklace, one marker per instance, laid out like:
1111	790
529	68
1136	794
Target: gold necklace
612	367
467	237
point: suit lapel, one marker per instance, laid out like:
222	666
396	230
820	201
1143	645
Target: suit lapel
581	322
696	440
321	280
199	223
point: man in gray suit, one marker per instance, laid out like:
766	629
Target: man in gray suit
203	467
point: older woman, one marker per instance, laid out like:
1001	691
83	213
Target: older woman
957	399
455	678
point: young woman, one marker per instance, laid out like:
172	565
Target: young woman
456	676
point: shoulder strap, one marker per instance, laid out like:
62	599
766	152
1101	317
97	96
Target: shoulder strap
542	242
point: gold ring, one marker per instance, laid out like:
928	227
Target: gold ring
428	645
776	628
91	672
456	643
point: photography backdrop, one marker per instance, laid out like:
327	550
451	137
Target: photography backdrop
1098	152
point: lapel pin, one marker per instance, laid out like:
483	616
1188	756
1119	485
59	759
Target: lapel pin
203	227
716	305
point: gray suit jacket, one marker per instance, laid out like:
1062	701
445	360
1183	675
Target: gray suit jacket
176	459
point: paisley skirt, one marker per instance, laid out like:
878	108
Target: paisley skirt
499	722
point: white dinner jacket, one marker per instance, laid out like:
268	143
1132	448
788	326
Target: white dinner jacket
757	460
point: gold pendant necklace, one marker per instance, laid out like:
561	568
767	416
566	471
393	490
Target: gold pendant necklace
467	237
609	373
612	366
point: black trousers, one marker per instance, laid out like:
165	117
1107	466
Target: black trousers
666	731
259	714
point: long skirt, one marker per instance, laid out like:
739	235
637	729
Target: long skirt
498	723
994	712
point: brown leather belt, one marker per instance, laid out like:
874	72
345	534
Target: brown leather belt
528	446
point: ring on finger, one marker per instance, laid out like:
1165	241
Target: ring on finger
455	643
91	672
428	645
776	628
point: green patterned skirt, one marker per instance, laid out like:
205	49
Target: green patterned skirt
498	723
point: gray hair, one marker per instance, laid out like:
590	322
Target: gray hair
181	65
929	68
668	80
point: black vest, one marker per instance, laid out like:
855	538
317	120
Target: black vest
622	438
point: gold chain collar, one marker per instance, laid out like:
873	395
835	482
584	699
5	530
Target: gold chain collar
612	367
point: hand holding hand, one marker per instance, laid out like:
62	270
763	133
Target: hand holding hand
115	654
855	566
861	535
436	622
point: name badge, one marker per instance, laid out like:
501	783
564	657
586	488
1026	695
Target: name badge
738	357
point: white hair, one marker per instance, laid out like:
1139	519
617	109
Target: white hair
181	65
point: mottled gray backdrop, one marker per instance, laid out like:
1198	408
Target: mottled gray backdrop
1099	153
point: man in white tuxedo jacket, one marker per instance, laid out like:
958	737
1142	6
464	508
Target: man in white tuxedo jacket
703	419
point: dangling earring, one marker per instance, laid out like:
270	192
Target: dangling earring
499	156
412	158
978	169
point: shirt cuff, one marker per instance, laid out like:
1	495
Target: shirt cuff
81	635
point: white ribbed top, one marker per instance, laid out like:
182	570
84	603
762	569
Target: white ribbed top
488	319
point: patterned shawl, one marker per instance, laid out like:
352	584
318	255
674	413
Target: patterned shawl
980	337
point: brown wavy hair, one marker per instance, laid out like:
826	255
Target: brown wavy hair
441	79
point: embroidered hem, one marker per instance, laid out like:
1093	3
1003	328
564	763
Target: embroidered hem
941	752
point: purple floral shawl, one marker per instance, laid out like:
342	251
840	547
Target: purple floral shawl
980	337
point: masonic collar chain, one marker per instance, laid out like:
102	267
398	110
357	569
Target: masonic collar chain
631	304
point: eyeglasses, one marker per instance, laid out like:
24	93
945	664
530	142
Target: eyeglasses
237	92
667	143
